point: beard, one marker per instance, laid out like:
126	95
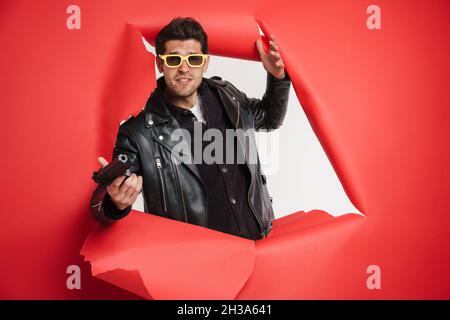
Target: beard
183	91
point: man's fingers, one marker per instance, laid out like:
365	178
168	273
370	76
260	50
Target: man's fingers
102	161
124	190
273	45
279	64
141	182
272	60
117	182
114	188
260	47
132	186
275	54
137	190
138	187
277	59
125	185
128	184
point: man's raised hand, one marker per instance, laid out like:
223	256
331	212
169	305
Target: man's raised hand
272	61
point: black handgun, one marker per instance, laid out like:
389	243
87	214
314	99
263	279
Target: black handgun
118	167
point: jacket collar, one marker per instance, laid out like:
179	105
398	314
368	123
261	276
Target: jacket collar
157	112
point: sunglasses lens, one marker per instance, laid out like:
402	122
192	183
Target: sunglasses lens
173	61
196	60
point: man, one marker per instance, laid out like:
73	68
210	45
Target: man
228	196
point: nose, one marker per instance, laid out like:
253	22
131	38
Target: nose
184	66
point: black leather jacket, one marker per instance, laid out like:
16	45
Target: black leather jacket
174	189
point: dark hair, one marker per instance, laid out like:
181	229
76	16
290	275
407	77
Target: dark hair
181	29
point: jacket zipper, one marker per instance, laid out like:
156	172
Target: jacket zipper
263	234
180	189
161	179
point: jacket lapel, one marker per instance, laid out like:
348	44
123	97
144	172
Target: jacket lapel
159	119
232	109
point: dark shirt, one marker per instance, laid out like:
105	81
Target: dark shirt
227	185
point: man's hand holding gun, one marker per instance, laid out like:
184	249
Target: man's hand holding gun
122	186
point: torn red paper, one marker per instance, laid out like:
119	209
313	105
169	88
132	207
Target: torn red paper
159	258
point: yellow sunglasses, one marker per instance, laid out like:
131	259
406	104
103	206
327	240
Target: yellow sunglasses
194	60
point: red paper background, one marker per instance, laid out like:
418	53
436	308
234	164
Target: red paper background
378	101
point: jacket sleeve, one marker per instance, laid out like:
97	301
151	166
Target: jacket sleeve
103	209
269	112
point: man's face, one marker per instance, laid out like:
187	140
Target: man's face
182	81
